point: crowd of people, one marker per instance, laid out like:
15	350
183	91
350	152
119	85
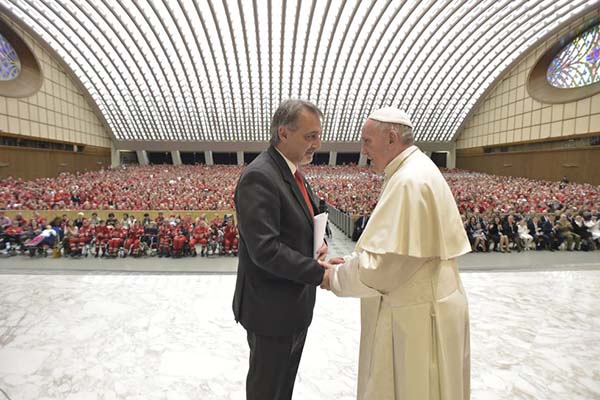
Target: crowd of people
500	213
150	187
171	236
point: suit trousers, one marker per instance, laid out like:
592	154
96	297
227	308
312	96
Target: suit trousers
274	363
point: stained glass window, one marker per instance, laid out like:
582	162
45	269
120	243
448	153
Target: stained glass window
10	65
578	64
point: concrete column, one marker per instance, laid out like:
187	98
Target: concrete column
115	157
176	156
240	157
142	156
451	158
332	157
362	161
208	158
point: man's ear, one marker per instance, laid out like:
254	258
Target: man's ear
282	132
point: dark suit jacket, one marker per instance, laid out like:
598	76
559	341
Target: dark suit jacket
532	228
548	228
277	274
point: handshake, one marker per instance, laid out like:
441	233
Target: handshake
329	267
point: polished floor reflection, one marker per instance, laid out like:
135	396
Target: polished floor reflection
535	335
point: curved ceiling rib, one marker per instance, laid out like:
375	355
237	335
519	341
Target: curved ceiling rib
215	70
503	55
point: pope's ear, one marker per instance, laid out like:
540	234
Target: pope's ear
392	135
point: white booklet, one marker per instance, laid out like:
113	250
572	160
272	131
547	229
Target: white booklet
320	223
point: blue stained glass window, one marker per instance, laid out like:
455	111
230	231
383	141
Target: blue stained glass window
10	65
578	64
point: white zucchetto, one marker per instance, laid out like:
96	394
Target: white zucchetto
391	115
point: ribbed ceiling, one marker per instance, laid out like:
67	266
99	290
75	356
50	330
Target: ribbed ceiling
216	70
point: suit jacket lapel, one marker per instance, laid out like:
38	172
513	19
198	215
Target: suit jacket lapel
291	181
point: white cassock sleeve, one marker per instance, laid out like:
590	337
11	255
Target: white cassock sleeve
369	275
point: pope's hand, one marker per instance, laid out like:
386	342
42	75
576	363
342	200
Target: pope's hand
336	260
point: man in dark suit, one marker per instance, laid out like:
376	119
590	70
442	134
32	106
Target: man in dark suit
542	240
277	270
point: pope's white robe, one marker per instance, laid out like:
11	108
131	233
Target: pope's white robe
414	312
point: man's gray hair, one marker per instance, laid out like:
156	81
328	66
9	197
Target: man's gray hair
287	114
404	132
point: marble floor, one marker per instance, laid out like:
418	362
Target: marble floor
163	329
535	335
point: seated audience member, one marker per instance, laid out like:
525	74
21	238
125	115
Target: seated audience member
593	226
101	238
79	220
582	231
200	236
165	239
230	238
179	241
565	232
5	222
13	235
94	220
511	230
150	236
146	220
132	242
20	220
495	235
71	239
541	240
479	238
118	235
549	229
524	234
111	220
46	239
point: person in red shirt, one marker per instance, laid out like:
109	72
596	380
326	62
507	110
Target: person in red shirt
12	236
86	234
230	238
20	220
117	237
132	244
179	241
102	235
73	235
199	236
165	240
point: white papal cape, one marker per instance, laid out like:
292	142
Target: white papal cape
414	312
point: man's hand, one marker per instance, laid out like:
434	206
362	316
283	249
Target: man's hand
322	252
326	283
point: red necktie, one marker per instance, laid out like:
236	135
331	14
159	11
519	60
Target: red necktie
304	192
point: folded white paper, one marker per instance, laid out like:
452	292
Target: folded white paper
320	223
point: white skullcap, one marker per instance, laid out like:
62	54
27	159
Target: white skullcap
391	115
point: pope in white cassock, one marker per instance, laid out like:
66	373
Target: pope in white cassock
414	313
